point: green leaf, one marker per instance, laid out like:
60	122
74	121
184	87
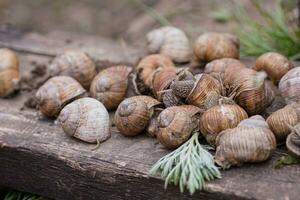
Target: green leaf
287	159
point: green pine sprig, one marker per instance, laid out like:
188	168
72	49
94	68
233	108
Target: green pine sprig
189	166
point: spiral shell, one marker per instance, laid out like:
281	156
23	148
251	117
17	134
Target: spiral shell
76	64
217	68
274	64
169	41
219	118
289	86
85	119
9	72
250	141
175	127
212	46
148	66
161	81
293	141
55	93
110	86
281	121
205	93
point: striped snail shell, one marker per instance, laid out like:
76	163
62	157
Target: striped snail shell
169	41
289	86
76	64
250	141
9	72
55	93
86	119
110	86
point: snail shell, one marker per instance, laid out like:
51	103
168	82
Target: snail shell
170	99
205	93
250	141
55	93
289	86
293	141
281	121
169	41
86	119
183	84
110	86
212	46
175	127
148	66
274	64
217	68
133	114
76	64
9	72
162	79
219	118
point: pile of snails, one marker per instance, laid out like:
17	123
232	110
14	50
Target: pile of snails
225	103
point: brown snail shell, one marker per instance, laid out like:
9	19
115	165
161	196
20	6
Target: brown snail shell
274	64
86	119
175	127
9	72
219	118
293	141
169	41
205	93
148	66
133	114
217	68
161	80
110	86
249	88
212	46
250	141
55	93
76	64
289	86
281	121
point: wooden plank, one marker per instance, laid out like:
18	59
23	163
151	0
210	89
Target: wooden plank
36	156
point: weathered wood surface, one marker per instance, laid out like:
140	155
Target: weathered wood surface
36	156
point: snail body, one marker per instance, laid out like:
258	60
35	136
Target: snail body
55	93
219	118
250	141
9	72
169	41
293	141
281	121
110	85
133	114
76	64
289	86
148	66
274	64
85	119
212	46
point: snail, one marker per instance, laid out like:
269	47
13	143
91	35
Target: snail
250	141
175	126
110	86
249	89
289	86
55	93
212	46
9	72
85	119
217	68
219	118
148	66
281	121
169	41
133	114
76	64
293	141
274	64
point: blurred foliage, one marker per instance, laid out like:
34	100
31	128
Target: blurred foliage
286	159
8	194
277	30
